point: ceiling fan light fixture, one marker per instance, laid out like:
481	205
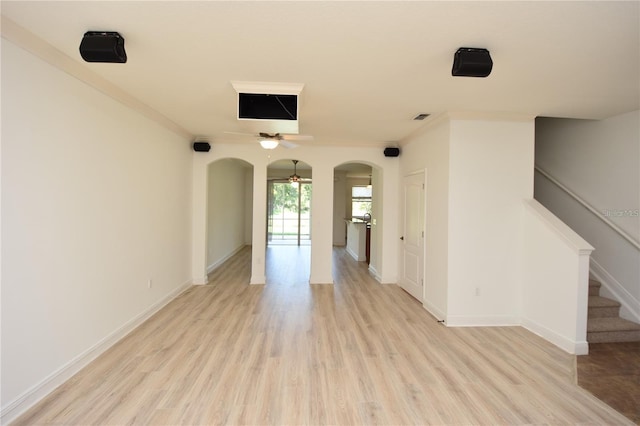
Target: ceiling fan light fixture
294	179
269	143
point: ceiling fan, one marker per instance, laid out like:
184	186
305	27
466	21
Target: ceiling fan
272	140
294	179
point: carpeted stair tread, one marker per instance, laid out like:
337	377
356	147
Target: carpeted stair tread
594	288
594	283
596	325
602	302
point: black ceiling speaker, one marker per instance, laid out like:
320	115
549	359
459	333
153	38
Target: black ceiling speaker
391	152
471	62
103	46
201	146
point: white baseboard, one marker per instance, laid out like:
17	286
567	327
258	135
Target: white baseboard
37	392
375	274
630	305
258	280
220	261
352	254
200	280
433	310
564	343
481	321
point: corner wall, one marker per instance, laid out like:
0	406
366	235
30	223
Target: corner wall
555	276
478	171
95	203
491	172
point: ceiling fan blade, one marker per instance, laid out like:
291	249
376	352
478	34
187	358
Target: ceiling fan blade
294	137
287	144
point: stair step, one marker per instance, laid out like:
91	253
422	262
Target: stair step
614	337
594	287
611	324
602	302
600	330
601	307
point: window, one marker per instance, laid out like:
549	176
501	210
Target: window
360	201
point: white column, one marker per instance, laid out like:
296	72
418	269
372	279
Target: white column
258	239
199	222
322	225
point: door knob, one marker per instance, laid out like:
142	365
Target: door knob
402	238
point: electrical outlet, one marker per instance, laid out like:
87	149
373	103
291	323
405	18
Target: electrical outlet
477	291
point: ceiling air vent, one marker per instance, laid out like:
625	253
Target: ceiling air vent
421	117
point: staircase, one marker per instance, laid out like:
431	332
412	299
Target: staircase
603	321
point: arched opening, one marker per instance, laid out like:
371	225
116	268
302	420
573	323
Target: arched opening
289	192
229	220
357	212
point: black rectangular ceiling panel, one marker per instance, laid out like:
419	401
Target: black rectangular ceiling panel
267	107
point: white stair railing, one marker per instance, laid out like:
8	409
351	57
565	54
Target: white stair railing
589	207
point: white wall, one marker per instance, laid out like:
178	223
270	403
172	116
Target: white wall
555	269
491	172
226	215
430	151
600	162
478	170
95	202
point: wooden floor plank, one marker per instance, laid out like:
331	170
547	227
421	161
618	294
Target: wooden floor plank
287	352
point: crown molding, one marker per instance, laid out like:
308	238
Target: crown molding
267	88
33	44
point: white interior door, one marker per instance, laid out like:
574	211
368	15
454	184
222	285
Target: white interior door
413	236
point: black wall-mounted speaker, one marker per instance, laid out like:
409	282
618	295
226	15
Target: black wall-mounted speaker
471	62
201	146
391	152
103	46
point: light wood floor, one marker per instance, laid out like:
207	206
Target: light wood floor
289	353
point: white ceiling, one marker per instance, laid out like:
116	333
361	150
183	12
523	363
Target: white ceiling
367	67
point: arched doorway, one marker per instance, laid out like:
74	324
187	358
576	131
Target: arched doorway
289	193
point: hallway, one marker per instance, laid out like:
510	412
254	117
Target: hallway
355	352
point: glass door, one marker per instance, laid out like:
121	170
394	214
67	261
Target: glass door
289	213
